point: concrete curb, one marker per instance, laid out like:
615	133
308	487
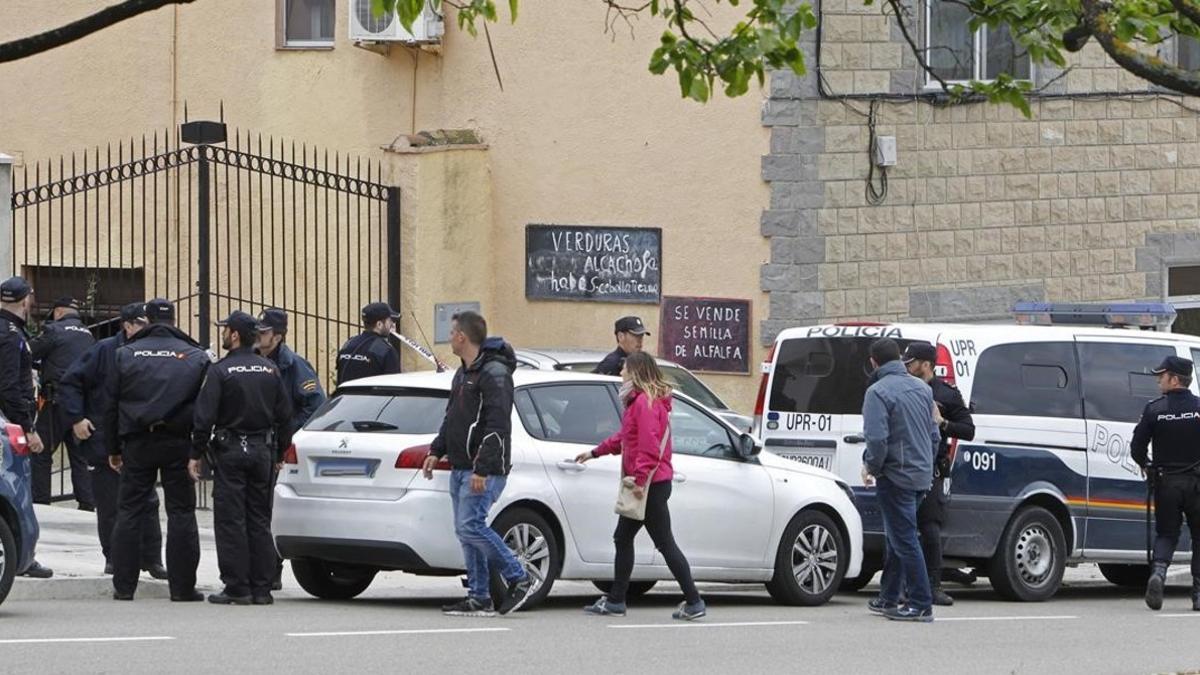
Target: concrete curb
81	588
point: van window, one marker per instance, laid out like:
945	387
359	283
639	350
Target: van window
1117	382
398	411
822	375
1034	379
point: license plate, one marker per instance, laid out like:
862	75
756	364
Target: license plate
346	468
819	460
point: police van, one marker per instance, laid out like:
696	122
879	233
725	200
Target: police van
1048	479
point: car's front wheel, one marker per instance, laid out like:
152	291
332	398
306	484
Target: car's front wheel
332	581
810	562
8	559
1129	576
636	588
532	540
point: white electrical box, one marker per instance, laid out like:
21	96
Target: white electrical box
885	151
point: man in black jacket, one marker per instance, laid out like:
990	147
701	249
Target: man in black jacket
63	340
630	333
475	437
370	353
150	397
242	415
1172	424
81	395
17	401
954	421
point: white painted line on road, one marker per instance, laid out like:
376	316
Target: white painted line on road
705	624
419	631
27	641
1004	618
1178	616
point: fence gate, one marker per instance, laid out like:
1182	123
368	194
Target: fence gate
214	224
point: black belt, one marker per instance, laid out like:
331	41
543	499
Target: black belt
233	436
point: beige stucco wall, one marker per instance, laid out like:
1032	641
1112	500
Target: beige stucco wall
581	134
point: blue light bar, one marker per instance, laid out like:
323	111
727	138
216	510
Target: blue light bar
1139	314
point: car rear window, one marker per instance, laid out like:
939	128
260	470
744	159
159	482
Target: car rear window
387	412
826	376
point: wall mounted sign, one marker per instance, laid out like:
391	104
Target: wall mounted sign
597	264
706	334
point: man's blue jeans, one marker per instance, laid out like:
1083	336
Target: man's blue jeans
481	546
904	565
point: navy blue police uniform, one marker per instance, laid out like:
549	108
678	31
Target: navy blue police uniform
369	353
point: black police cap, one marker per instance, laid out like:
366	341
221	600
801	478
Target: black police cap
273	319
66	302
920	351
15	289
630	324
160	309
134	312
240	322
1176	365
378	311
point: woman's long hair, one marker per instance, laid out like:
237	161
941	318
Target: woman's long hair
646	376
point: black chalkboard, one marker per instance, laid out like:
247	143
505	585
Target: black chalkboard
597	264
706	334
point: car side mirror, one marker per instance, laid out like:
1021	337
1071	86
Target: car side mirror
747	446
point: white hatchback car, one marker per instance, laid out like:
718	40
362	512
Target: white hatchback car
350	501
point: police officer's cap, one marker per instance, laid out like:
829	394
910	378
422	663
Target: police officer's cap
240	322
134	312
1176	365
273	319
160	309
378	311
920	351
630	324
66	302
15	289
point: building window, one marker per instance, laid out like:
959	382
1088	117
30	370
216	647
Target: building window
958	54
305	24
1183	291
1188	50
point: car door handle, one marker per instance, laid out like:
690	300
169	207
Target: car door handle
571	465
679	478
855	438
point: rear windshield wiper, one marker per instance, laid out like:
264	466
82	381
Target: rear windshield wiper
373	425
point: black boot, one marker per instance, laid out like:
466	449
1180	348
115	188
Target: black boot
1195	593
1154	588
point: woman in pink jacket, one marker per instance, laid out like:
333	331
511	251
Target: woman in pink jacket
647	400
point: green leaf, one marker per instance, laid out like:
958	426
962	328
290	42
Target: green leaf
698	90
512	9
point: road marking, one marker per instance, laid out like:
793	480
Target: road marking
1005	618
26	641
420	631
1178	616
706	624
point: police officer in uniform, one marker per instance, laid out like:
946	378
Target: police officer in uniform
370	353
17	400
1171	423
630	332
63	340
150	397
81	393
299	380
242	417
954	421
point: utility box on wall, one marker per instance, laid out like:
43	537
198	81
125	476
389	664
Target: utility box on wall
442	314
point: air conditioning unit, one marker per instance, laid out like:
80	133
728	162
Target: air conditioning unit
365	26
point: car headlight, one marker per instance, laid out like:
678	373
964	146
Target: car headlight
846	488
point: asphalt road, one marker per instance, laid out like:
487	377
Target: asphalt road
1091	628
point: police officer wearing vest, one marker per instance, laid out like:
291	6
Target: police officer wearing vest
630	333
81	393
299	380
954	421
63	340
370	353
150	397
242	417
1171	423
17	400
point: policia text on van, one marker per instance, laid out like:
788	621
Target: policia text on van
1048	479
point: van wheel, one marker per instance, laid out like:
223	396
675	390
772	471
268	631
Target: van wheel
636	588
1029	563
8	559
855	584
532	540
331	581
1130	576
810	562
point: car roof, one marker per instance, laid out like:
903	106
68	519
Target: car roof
928	330
548	358
429	379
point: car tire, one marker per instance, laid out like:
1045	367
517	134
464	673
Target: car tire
1129	576
331	581
8	559
803	576
636	588
855	584
532	539
1029	562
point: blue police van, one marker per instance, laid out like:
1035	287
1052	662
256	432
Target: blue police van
18	525
1047	481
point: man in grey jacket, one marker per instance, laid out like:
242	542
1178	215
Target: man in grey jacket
901	435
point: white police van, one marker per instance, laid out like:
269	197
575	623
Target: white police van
1047	481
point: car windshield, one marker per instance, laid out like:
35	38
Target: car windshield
383	412
680	378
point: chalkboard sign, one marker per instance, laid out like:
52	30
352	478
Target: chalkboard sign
597	264
706	334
